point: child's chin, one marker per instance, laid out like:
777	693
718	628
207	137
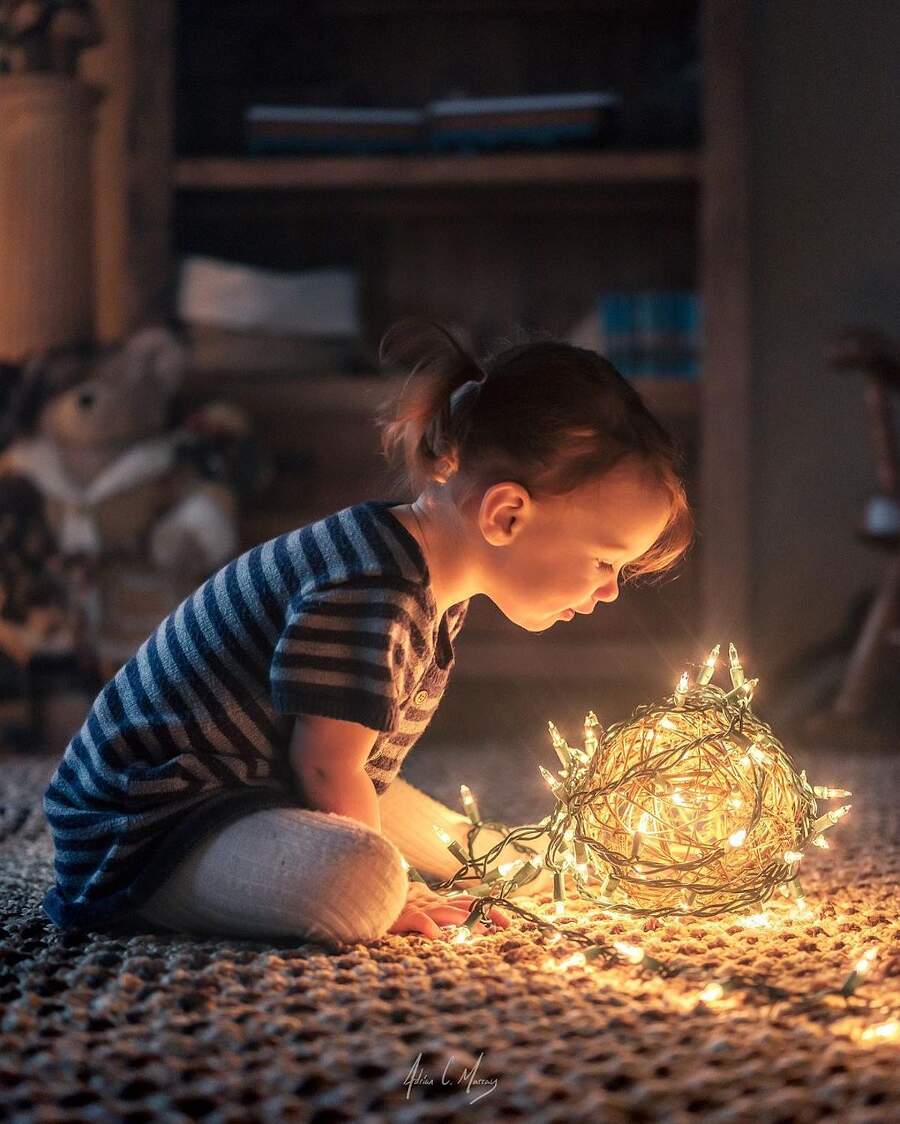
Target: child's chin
542	624
532	624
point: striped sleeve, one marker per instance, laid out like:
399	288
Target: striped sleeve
350	652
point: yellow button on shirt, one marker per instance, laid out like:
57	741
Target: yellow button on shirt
421	696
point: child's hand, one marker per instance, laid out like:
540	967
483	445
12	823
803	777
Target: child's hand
425	911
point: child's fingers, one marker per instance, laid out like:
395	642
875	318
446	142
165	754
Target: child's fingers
414	921
494	915
446	915
498	918
427	901
447	910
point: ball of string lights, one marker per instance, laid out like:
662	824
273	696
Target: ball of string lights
691	806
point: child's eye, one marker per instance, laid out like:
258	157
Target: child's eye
602	565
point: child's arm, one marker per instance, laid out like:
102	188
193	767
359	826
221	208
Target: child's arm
328	757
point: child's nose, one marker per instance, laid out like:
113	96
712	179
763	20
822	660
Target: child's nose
609	591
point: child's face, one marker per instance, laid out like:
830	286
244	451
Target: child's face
560	555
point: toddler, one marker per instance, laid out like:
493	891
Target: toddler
238	775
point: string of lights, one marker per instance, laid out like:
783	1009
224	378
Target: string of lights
690	808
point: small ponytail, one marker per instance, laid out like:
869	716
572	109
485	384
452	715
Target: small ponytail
426	423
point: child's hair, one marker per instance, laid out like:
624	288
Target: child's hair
545	414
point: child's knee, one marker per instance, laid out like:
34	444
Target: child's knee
367	887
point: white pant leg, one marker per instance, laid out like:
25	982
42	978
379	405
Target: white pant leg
285	872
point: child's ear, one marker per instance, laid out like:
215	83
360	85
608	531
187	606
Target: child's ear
504	510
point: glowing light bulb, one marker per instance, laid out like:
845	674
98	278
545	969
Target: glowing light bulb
755	921
882	1032
551	781
734	667
511	868
559	892
712	992
563	751
709	667
737	838
822	842
791	857
825	793
682	689
744	691
470	804
866	961
526	871
591	723
629	952
581	861
862	965
450	843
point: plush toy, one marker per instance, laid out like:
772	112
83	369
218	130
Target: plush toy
132	508
37	625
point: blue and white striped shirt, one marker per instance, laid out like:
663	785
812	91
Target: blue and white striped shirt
337	619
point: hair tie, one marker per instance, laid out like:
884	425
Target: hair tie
462	391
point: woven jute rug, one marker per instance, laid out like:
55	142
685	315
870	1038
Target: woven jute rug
144	1028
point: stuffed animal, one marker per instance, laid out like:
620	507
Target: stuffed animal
37	626
130	509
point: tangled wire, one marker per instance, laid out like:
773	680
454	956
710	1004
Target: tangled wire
690	807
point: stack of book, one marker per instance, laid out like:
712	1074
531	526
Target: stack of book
652	334
314	129
534	121
241	318
456	125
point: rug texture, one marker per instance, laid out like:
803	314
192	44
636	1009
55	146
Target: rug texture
144	1028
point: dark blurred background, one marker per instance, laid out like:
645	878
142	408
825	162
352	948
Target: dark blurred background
703	191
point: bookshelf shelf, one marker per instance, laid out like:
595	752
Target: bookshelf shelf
328	173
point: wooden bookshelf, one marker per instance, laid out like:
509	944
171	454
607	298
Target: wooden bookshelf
486	242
